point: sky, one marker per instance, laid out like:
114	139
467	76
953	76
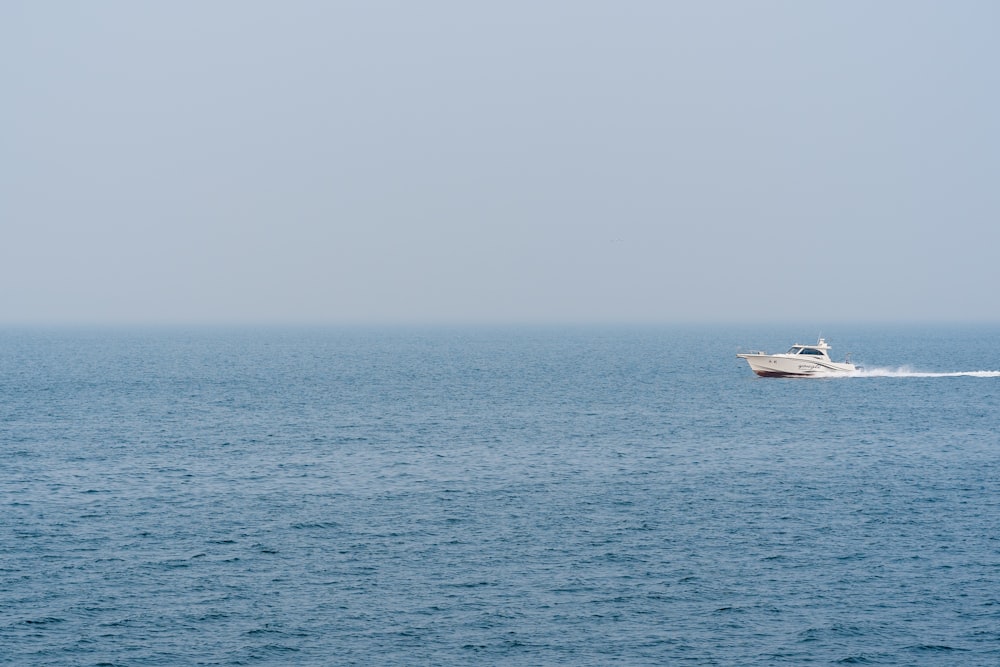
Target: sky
372	161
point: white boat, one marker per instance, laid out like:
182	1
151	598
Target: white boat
800	361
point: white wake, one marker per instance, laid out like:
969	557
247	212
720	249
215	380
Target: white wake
907	372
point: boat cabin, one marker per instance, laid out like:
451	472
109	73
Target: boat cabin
817	350
798	349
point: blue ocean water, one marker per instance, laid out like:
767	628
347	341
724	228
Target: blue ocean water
510	496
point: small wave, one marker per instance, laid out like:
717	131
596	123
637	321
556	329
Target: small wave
321	525
907	372
934	648
46	620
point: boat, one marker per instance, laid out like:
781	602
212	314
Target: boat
799	361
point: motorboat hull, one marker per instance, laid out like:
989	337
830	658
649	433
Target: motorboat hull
786	365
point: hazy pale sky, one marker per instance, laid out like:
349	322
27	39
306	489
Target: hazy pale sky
370	161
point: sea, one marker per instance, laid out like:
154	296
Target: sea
497	495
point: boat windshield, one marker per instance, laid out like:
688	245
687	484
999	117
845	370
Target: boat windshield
798	349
